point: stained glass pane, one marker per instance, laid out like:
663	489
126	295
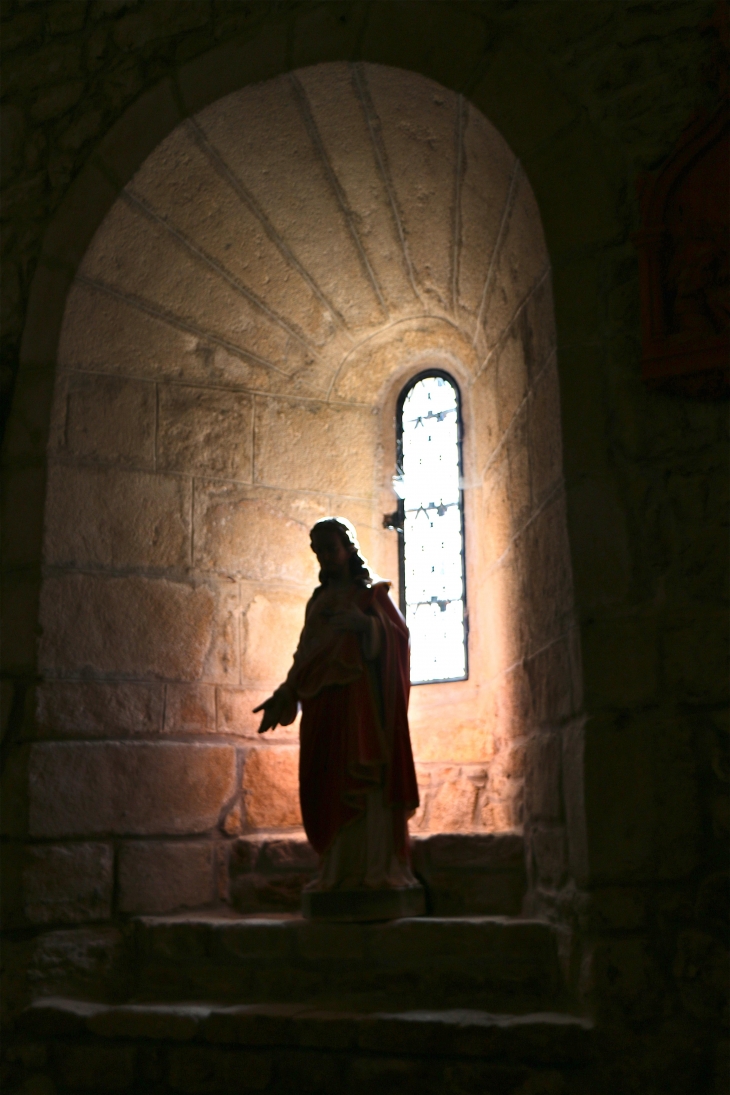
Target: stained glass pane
433	531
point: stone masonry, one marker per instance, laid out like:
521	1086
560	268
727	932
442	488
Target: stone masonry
607	740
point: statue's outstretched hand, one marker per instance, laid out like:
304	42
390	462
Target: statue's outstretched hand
279	708
272	711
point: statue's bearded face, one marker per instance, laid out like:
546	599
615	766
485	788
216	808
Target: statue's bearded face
332	554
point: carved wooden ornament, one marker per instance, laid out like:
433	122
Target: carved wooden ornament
683	264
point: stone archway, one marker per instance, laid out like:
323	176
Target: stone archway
230	356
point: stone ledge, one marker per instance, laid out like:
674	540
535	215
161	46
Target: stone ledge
490	963
480	851
480	874
538	1038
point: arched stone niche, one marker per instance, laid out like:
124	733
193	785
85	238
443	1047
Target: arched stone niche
231	352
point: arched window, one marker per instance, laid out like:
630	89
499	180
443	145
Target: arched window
428	481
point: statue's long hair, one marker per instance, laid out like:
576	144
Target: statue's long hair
359	571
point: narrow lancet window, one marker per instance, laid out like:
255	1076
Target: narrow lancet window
433	592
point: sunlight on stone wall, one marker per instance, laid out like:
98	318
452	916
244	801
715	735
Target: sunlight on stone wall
232	349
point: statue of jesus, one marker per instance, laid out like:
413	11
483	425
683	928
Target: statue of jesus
357	782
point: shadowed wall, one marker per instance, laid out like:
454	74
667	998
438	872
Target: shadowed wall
588	97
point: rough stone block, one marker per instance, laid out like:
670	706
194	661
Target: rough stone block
517	455
326	1029
419	176
314	1071
57	1018
287	855
246	938
315	446
233	822
695	656
345	135
549	855
482	203
259	269
108	420
174	280
619	799
107	334
574	797
615	908
496	519
244	854
131	625
255	534
78	962
501	817
68	883
268	874
598	533
542	776
479	851
128	788
545	437
512	380
550	678
546	604
520	265
277	133
235	711
472	893
160	877
271	788
101	1068
537	326
98	709
319	942
205	432
621	661
190	709
272	624
449	724
256	892
452	803
207	1068
472	874
115	518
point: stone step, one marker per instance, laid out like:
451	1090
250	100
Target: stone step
464	874
69	1045
494	963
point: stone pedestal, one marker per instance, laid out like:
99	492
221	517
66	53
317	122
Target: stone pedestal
363	904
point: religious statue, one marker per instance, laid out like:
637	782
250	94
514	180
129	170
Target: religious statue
357	782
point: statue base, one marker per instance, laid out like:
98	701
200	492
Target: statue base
363	904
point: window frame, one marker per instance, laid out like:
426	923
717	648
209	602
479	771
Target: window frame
424	374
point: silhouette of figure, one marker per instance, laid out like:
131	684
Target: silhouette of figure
357	781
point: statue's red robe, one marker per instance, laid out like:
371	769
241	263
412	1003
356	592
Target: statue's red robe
354	729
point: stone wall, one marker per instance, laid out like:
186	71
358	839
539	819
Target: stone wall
587	96
229	359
